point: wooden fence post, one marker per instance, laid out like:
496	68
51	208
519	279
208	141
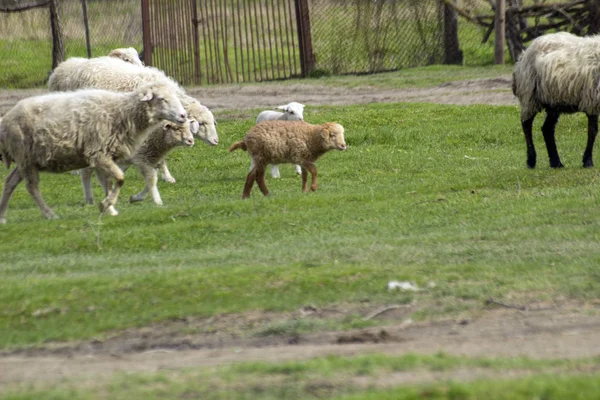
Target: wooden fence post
452	52
58	46
500	31
307	58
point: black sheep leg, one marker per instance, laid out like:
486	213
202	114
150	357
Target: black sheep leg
527	127
548	131
588	160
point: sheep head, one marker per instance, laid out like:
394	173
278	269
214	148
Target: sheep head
203	124
294	110
333	135
162	103
178	135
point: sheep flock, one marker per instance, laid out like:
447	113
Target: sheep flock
105	114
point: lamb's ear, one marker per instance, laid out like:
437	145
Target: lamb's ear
324	132
147	96
282	108
194	126
167	126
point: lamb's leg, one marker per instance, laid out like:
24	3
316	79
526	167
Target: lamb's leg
108	168
312	168
86	182
275	171
548	131
588	160
249	182
150	175
260	179
165	174
298	169
10	183
527	130
32	180
304	179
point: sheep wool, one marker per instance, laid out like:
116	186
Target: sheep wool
297	142
64	131
558	73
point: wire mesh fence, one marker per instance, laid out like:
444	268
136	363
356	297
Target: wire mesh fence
348	36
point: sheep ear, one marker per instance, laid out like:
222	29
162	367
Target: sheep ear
167	126
282	108
147	96
194	126
324	133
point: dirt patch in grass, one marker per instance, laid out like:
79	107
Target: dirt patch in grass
495	91
541	331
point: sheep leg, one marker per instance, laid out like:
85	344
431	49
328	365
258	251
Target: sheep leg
304	179
165	174
105	184
527	130
260	179
275	171
297	169
32	180
312	168
10	183
110	169
151	177
249	182
86	182
588	160
548	131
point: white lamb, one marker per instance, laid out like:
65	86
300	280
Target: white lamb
159	142
61	132
559	73
291	112
111	73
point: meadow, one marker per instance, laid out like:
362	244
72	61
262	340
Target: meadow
424	193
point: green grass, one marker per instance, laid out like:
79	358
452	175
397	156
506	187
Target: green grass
424	193
335	377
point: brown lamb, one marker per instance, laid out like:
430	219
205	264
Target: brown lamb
295	142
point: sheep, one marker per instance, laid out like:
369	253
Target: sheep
273	142
145	155
112	74
291	112
60	132
160	141
128	54
559	73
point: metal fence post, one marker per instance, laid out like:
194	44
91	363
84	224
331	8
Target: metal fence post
146	32
307	58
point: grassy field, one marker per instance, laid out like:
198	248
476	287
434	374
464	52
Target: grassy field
425	193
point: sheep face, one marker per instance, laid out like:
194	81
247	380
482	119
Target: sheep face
333	135
294	111
179	135
162	104
129	55
203	124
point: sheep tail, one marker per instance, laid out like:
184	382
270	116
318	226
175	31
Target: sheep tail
238	145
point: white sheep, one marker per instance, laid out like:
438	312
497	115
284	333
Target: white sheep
159	142
274	142
111	73
290	112
559	73
128	54
64	131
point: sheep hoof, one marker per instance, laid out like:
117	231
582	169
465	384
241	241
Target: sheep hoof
313	188
588	164
169	179
298	170
556	165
